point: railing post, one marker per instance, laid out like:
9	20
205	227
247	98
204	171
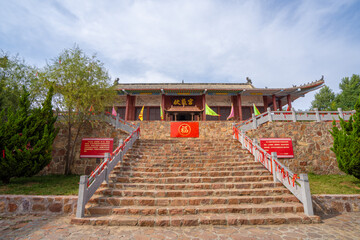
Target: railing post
273	159
269	114
306	195
254	121
317	115
117	122
340	113
138	125
80	210
106	159
293	114
233	126
242	139
255	142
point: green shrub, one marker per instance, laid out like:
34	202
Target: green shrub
347	143
26	138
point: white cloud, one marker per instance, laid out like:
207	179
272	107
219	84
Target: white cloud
148	77
275	43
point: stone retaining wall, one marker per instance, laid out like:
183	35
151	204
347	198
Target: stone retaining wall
52	205
30	204
311	143
149	130
207	130
335	204
80	165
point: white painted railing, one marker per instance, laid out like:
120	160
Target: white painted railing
294	116
298	185
118	122
89	184
115	121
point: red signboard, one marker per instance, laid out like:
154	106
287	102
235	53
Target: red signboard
184	129
96	147
282	146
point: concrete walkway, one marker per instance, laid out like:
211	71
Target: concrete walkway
345	226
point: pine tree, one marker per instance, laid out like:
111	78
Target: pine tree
26	138
347	143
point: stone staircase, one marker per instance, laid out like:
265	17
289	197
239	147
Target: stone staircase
190	182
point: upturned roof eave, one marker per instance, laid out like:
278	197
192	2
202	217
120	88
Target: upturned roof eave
294	91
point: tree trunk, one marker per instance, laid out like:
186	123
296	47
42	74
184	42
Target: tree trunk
5	180
72	153
68	152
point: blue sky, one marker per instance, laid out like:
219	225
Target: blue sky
275	43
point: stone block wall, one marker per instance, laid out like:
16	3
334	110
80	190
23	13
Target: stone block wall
335	204
45	205
207	130
311	143
58	205
80	165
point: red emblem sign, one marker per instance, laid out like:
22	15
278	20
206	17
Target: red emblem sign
282	146
184	129
96	147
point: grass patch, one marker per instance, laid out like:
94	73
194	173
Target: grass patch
42	185
334	184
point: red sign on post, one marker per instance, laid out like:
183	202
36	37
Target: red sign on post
282	146
96	147
184	129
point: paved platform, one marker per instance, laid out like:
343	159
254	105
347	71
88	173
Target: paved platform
345	226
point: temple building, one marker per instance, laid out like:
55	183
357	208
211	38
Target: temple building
186	101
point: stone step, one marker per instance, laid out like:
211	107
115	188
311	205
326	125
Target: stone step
189	201
185	161
218	158
172	180
191	210
194	186
196	220
193	193
188	165
190	174
187	150
208	169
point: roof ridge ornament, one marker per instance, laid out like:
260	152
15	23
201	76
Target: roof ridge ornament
248	80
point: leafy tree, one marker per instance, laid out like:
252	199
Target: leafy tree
80	82
350	92
323	99
14	74
347	143
26	138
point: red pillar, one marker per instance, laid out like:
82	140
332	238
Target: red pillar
274	102
279	104
204	113
239	106
289	101
163	105
130	108
266	105
128	99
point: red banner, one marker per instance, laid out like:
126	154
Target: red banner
96	147
184	129
282	146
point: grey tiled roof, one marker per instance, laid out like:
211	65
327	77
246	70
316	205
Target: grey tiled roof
185	86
